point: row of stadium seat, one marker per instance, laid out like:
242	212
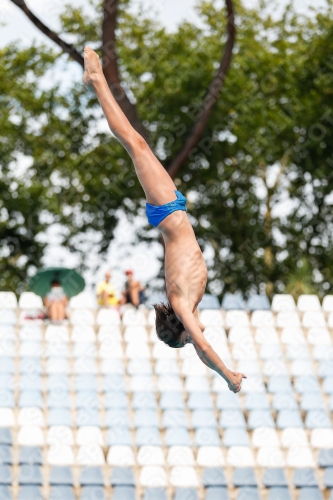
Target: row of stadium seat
280	302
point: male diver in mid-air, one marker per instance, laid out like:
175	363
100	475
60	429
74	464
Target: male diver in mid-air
177	322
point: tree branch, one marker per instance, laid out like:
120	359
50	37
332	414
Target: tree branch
210	99
66	47
111	69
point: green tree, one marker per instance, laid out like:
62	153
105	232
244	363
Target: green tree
258	178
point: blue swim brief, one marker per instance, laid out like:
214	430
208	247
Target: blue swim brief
156	214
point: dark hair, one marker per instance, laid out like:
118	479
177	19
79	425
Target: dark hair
168	326
55	282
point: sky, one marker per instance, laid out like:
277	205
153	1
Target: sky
123	254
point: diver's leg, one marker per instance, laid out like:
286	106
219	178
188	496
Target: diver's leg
154	179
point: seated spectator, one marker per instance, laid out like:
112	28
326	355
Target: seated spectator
106	293
55	302
134	292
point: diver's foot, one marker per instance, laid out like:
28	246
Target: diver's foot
92	68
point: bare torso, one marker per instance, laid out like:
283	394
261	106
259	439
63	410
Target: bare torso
185	268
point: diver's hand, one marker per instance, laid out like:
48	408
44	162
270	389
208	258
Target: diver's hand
234	380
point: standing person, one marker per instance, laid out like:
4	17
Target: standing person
177	321
133	293
55	302
106	293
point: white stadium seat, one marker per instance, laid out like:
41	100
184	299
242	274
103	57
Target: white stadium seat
82	317
108	317
240	456
236	318
89	435
262	319
215	334
239	334
210	456
134	317
162	351
110	333
30	435
150	455
319	336
288	319
283	302
7	418
8	317
60	455
57	350
265	436
252	384
57	365
56	333
322	352
8	300
292	336
121	456
184	477
248	366
153	476
170	367
180	455
322	438
84	349
266	336
169	383
139	367
274	367
313	319
30	416
85	366
211	317
30	332
294	437
196	384
111	350
270	456
29	300
60	435
7	347
30	349
141	383
90	455
308	303
114	368
244	350
270	351
83	333
83	300
191	367
301	367
297	351
300	456
135	334
137	350
328	303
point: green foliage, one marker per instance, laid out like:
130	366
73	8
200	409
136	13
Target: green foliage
259	182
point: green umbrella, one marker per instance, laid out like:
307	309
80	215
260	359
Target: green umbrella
70	280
